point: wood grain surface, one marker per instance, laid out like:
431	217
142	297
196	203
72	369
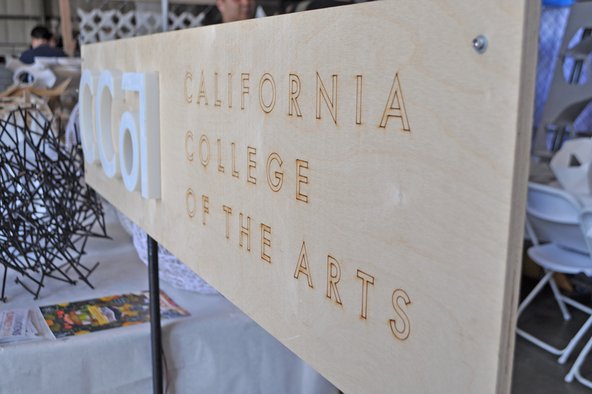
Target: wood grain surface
351	178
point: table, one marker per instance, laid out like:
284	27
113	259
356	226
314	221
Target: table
218	349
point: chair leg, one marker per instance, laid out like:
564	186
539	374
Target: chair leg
561	300
575	369
537	289
557	294
574	341
543	345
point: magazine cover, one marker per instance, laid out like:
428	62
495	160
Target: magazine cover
83	317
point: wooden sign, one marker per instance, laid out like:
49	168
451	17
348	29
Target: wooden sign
352	178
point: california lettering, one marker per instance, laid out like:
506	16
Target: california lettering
234	91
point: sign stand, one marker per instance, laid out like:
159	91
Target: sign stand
155	329
2	297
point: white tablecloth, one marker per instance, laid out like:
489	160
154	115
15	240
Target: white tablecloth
217	349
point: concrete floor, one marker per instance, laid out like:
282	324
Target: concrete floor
535	370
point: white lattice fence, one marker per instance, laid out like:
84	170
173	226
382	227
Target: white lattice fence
104	25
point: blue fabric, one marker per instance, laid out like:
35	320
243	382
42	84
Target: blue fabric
554	19
558	3
29	55
553	22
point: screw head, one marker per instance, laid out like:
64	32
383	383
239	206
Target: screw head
480	44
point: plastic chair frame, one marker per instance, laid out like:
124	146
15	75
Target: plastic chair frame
574	372
561	299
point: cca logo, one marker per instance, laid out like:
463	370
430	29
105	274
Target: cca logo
137	159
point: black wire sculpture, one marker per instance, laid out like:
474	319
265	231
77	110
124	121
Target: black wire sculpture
47	212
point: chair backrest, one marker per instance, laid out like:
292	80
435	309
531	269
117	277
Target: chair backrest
586	225
554	216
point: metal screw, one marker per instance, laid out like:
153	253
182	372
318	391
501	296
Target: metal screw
480	44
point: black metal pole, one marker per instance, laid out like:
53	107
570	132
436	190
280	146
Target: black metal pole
155	331
2	297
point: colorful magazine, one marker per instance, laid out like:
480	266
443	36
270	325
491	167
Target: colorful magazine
83	317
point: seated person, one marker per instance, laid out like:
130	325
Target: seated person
40	46
232	11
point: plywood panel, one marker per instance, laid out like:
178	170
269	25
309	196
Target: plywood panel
383	248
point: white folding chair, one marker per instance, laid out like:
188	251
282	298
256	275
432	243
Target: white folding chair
574	372
552	216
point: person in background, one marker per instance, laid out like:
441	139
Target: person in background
236	10
40	46
232	11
